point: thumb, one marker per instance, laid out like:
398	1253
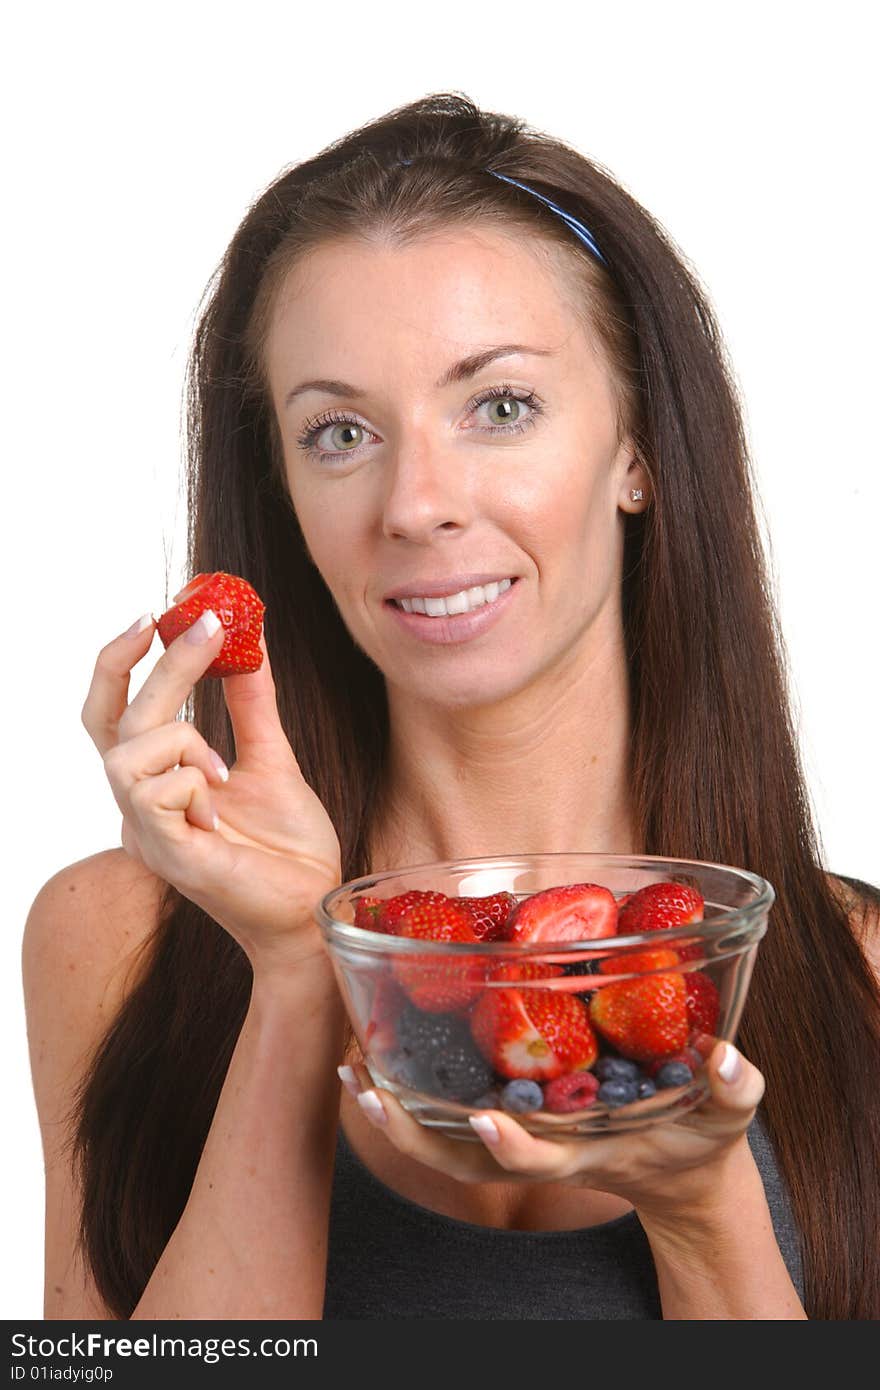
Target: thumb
735	1085
253	709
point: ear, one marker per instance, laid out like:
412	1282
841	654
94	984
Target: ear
633	477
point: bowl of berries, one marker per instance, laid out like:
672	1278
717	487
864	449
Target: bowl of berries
580	992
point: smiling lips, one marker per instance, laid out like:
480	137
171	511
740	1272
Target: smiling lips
464	601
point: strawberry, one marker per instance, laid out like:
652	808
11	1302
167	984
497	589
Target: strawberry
520	970
701	995
240	610
638	961
434	984
574	1091
644	1018
366	911
489	915
688	1055
393	912
659	906
533	1034
570	912
388	1001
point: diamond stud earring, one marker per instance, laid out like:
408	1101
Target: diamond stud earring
636	494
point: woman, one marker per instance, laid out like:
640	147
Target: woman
415	372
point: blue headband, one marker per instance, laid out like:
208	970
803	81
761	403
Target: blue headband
581	232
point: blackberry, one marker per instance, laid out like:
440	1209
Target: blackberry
616	1069
614	1093
458	1073
421	1036
672	1074
521	1096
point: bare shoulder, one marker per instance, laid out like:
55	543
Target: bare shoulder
861	902
84	946
85	935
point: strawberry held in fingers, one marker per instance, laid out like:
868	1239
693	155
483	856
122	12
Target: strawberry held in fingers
570	912
240	610
532	1033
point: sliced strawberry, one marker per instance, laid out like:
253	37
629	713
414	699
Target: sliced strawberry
489	915
520	970
703	1001
644	1019
570	912
659	906
240	610
533	1034
435	984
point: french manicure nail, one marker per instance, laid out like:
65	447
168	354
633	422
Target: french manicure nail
349	1079
372	1107
485	1127
138	627
730	1065
220	765
204	628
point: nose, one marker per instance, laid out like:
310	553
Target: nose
428	491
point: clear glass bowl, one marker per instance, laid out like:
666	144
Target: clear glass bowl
417	1053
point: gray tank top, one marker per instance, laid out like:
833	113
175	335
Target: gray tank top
389	1257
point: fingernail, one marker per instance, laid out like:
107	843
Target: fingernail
372	1107
205	628
216	819
220	765
349	1080
730	1065
145	621
485	1127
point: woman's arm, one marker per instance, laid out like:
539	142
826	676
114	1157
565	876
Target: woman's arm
720	1259
251	1242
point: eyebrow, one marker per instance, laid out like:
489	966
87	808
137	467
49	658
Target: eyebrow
459	371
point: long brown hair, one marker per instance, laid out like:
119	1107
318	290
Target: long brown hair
716	769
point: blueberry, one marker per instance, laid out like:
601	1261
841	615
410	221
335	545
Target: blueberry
614	1093
616	1069
646	1088
490	1101
520	1096
673	1074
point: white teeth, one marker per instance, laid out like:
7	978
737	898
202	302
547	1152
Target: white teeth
462	602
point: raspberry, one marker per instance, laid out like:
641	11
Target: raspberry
575	1091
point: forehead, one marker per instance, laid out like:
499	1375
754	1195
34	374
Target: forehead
421	303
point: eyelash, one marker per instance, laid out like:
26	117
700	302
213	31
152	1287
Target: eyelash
493	393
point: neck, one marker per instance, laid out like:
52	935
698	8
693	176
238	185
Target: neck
544	771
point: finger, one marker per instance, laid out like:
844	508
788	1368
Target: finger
463	1161
172	678
253	709
162	804
130	841
735	1091
161	750
107	698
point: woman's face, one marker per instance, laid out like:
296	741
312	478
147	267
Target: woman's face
410	477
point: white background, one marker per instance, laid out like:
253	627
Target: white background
137	138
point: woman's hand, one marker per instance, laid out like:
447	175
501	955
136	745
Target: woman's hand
664	1170
274	852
